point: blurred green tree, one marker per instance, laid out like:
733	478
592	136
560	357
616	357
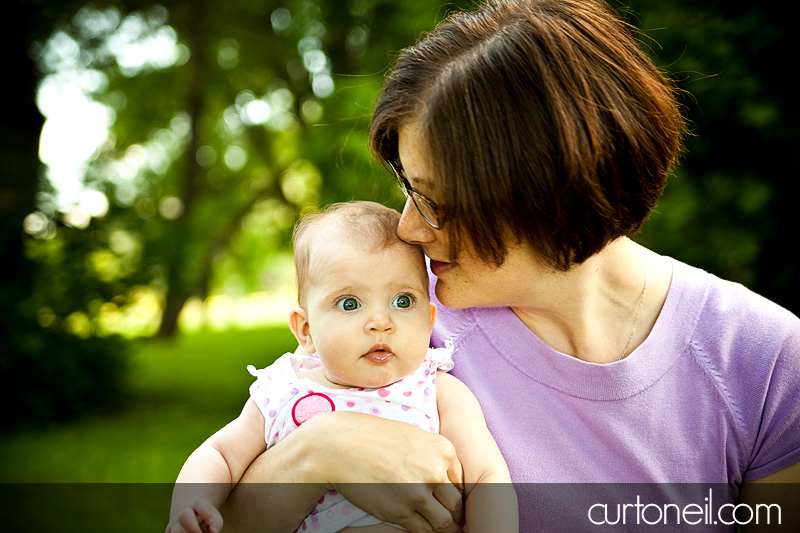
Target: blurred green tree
729	207
226	121
46	376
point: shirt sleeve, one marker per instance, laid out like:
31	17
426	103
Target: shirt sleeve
777	443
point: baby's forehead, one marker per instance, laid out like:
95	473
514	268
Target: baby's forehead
326	248
366	238
337	252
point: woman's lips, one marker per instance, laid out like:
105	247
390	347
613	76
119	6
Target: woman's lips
439	268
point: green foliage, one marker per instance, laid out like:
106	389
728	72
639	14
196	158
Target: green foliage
114	472
729	206
52	377
196	383
245	115
45	377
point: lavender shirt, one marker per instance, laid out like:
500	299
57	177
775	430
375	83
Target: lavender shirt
711	396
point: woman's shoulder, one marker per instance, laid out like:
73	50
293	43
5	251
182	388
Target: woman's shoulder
726	306
736	335
749	348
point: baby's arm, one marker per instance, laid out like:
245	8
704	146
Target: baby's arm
491	502
212	470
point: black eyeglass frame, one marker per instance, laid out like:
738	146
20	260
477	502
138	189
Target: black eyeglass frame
435	217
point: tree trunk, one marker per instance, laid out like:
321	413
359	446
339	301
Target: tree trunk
19	145
169	318
179	289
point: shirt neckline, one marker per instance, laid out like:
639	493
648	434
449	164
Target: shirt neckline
662	348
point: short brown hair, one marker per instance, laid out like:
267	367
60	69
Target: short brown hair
543	119
371	225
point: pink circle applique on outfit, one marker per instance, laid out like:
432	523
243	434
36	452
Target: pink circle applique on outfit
311	404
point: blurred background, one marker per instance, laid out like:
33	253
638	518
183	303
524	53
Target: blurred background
156	155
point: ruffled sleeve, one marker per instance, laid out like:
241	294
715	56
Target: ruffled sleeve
269	380
272	382
441	358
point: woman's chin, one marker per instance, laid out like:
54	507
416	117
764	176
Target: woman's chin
451	298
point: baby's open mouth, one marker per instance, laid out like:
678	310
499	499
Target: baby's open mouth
380	353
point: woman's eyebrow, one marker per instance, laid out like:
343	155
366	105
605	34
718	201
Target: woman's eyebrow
424	182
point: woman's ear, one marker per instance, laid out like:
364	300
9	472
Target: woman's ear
298	323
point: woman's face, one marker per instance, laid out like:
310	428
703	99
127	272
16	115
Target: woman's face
465	280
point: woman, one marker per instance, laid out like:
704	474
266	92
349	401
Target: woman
532	137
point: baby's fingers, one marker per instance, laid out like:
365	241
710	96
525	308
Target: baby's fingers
202	517
185	521
208	516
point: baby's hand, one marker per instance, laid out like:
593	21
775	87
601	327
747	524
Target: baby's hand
201	517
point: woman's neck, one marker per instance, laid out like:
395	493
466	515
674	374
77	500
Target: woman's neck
601	310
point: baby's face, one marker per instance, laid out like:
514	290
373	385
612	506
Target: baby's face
368	312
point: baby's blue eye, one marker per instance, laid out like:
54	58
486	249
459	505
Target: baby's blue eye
403	301
348	304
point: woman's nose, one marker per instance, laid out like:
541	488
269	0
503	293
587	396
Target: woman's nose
412	227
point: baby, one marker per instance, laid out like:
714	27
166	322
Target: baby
365	314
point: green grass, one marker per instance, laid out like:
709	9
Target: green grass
114	472
181	391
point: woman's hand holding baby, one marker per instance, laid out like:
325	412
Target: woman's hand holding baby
395	471
392	470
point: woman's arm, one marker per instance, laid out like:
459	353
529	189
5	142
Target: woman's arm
393	470
491	502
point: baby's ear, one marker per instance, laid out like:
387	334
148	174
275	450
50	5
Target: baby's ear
298	323
433	313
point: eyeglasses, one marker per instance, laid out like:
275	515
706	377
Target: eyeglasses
430	211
